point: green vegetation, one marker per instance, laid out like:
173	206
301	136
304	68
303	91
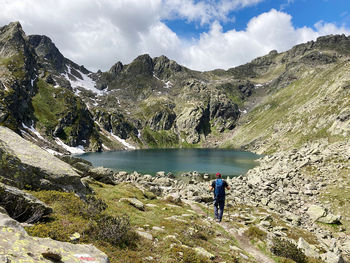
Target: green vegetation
160	139
299	113
58	107
16	65
102	221
285	248
49	105
254	232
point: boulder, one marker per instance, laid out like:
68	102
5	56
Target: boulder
331	257
25	165
134	202
308	250
103	175
315	212
17	246
201	251
22	206
320	214
144	234
7	221
330	219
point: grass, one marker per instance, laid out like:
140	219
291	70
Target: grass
49	104
74	215
16	65
160	139
293	115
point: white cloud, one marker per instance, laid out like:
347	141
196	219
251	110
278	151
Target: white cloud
98	33
204	11
266	32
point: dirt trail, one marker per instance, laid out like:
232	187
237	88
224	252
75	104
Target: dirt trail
242	240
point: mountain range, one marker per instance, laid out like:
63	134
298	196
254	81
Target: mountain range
277	101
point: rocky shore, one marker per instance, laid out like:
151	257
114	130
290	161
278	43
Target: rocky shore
291	184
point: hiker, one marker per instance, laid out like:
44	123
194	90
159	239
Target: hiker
219	186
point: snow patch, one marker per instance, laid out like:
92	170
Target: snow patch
167	84
138	134
33	130
86	83
32	81
127	145
75	150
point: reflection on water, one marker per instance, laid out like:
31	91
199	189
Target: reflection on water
177	161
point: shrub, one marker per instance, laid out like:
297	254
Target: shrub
285	248
255	232
93	207
115	230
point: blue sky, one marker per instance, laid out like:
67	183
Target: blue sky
200	34
304	13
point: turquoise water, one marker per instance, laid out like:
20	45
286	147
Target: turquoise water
177	161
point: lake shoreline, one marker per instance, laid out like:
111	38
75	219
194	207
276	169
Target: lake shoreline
208	162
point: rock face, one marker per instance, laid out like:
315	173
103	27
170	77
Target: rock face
25	165
18	246
47	50
17	72
22	206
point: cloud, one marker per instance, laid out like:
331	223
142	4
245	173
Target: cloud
272	30
203	11
98	33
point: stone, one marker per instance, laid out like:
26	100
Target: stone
22	206
315	212
134	202
160	174
265	224
144	234
103	175
320	214
330	219
30	164
264	201
7	221
201	251
235	248
17	246
331	257
308	250
159	229
346	247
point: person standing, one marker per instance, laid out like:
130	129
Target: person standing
219	186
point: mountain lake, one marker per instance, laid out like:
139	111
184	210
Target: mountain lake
178	161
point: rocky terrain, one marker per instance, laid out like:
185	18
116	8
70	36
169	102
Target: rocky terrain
292	107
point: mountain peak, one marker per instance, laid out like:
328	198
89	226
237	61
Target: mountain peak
143	64
12	39
46	49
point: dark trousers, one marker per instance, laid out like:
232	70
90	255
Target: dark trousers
219	212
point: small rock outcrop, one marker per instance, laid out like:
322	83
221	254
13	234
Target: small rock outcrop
22	206
18	246
25	165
